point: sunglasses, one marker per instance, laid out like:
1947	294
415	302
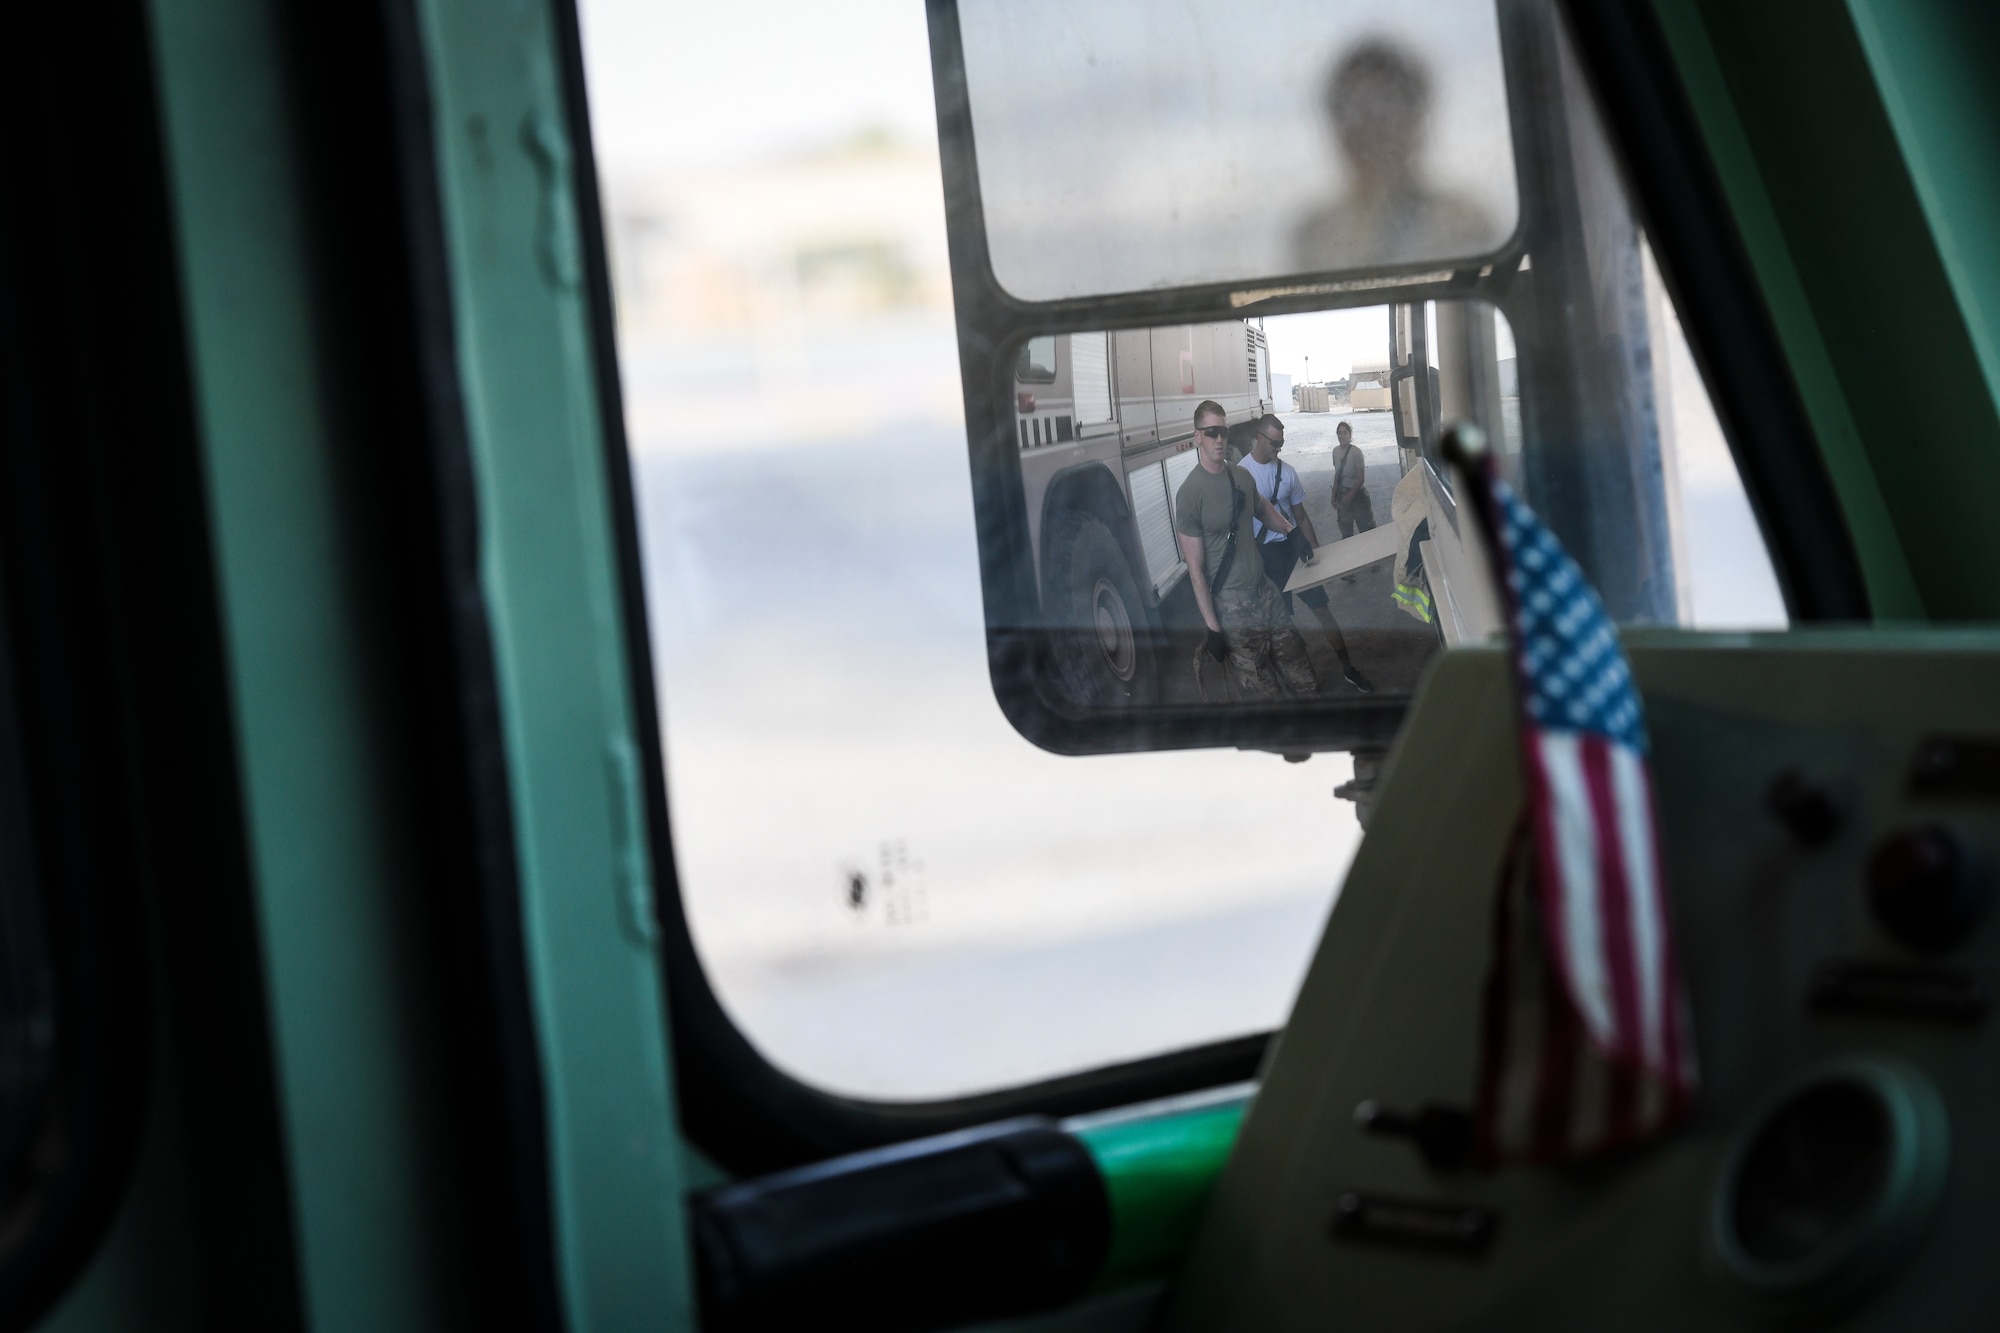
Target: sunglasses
1213	432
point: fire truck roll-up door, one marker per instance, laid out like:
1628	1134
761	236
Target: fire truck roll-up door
1152	487
1138	425
1090	379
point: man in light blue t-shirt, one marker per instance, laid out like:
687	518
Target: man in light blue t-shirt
1278	482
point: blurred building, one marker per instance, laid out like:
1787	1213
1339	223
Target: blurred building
801	297
1368	386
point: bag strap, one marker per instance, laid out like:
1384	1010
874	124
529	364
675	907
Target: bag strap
1229	551
1277	486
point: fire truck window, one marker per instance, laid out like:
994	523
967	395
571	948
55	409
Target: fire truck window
1037	362
1240	139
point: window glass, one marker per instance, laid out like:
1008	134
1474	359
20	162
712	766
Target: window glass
1110	139
1037	362
894	894
1725	577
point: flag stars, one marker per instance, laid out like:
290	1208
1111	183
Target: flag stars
1571	669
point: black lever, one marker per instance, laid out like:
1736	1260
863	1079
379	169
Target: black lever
963	1228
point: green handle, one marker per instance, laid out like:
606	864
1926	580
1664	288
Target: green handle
1158	1172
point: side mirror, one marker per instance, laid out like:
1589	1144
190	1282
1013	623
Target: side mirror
1138	227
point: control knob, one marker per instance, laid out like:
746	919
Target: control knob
1928	887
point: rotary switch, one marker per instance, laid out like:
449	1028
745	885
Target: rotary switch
1927	887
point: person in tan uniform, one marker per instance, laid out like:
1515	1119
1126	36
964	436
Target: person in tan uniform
1352	508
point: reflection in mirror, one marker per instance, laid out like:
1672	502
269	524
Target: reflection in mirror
1209	533
1214	525
1235	142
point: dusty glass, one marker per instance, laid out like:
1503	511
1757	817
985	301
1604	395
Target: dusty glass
1125	145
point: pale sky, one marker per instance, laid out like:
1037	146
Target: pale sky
1333	340
1336	339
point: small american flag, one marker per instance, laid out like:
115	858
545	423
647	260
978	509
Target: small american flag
1586	1044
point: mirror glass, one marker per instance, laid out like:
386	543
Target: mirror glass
1128	145
1211	530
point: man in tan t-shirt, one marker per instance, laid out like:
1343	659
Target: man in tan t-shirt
1248	624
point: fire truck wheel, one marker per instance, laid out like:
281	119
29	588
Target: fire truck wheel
1097	623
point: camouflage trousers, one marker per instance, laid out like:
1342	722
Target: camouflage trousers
1264	649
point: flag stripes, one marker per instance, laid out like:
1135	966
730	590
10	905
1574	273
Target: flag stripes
1584	1043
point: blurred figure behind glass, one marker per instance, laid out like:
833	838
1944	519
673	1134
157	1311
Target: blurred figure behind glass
1377	98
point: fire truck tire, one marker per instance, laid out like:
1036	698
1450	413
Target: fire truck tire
1099	633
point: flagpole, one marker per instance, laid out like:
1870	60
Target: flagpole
1465	448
